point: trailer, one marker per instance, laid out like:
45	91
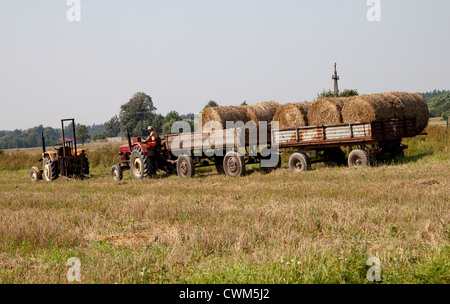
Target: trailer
367	142
230	150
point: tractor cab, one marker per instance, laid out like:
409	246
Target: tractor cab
65	149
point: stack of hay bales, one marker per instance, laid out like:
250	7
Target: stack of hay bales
326	111
292	115
385	106
263	111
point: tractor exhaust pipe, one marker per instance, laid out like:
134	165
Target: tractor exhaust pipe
43	143
129	139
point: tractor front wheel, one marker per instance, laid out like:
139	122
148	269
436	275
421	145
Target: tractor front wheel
35	175
116	173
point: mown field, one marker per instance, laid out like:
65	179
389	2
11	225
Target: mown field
316	227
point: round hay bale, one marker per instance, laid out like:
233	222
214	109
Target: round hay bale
370	107
223	114
292	115
262	111
326	111
412	105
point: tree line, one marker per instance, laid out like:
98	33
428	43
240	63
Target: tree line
139	113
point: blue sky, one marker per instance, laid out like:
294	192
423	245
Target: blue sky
184	53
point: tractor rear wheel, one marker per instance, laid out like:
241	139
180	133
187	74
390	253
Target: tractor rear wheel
140	165
116	173
50	169
185	166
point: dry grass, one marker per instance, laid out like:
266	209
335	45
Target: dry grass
213	229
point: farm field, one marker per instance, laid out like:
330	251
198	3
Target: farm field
319	226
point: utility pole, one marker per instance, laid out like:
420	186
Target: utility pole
335	77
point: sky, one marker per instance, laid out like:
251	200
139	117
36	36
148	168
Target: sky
184	53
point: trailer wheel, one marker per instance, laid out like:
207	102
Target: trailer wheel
116	173
299	162
218	163
35	175
358	158
234	164
50	170
140	164
185	166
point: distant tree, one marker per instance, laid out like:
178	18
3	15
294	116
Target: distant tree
96	129
141	128
435	93
167	126
112	127
325	93
349	93
188	116
330	94
210	104
82	133
169	120
439	105
172	115
244	103
137	114
158	122
68	131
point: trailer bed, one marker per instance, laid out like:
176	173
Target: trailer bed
344	134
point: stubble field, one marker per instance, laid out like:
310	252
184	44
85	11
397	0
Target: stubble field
316	227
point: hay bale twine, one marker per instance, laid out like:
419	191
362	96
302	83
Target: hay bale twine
370	107
222	114
262	111
326	111
412	105
292	115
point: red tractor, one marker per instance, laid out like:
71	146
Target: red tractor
143	159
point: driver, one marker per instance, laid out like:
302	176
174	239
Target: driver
153	139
